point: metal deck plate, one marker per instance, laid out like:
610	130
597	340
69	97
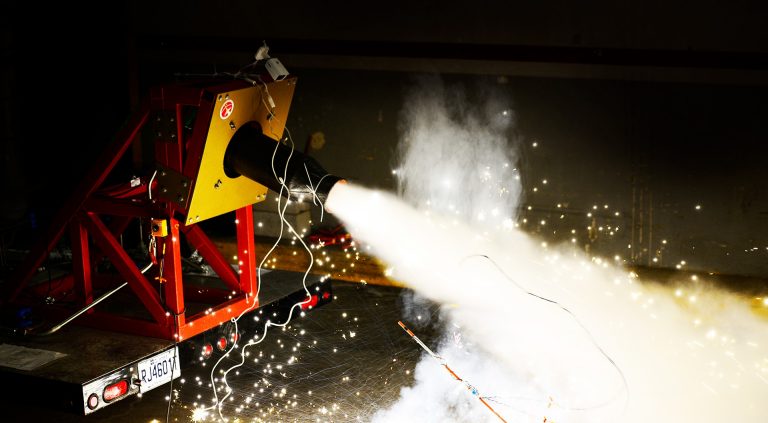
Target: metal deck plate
23	358
84	354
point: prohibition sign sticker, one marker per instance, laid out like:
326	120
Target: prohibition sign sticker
226	109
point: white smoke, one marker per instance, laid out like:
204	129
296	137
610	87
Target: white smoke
680	356
456	159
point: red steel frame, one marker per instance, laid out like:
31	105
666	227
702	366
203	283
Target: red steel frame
91	238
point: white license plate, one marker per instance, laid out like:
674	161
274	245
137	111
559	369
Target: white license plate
159	369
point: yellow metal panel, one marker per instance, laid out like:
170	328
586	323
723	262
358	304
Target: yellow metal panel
215	193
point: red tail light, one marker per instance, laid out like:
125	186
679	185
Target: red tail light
222	343
115	390
207	350
311	302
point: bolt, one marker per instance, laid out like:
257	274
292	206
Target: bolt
184	183
219	97
232	125
180	198
163	189
217	184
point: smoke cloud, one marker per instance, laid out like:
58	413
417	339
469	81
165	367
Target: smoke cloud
544	334
455	158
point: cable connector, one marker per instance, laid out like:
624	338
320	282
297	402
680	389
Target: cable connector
276	70
262	53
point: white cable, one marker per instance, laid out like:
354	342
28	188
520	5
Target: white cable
313	189
281	212
149	187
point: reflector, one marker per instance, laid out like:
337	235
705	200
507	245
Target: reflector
93	401
207	350
222	343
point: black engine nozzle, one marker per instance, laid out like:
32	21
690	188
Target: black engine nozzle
252	154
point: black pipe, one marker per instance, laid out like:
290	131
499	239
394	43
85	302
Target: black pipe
250	154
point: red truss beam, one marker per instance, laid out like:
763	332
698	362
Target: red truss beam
127	268
94	178
246	251
95	218
207	249
81	262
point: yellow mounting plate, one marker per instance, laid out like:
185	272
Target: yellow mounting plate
214	193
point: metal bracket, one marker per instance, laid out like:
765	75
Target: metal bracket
172	186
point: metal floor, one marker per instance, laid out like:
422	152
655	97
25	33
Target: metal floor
341	362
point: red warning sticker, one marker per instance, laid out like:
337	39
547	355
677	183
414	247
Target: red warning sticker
226	109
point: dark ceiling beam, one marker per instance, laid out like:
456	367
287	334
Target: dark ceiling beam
691	59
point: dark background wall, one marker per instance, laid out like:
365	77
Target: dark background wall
650	108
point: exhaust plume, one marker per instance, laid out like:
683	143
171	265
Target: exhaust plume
544	334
